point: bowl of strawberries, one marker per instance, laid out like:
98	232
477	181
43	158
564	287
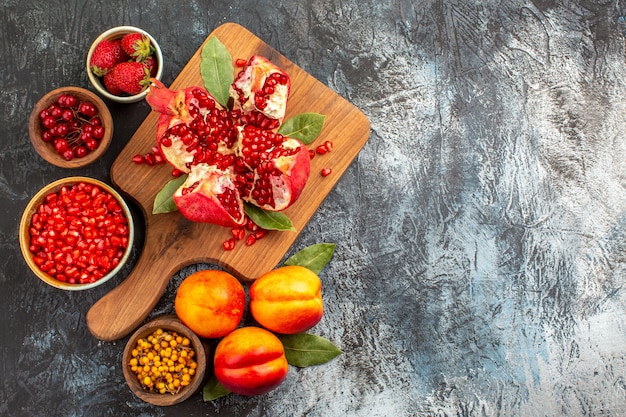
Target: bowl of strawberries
121	61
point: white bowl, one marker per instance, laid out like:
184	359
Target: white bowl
114	33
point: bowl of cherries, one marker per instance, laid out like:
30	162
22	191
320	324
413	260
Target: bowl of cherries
70	127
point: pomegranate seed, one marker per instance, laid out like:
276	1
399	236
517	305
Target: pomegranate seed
251	240
229	244
238	233
251	226
241	62
311	153
321	149
259	234
329	145
326	172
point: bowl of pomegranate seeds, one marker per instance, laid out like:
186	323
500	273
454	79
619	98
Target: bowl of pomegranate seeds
121	61
70	127
76	233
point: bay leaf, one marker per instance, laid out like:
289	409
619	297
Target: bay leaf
216	68
213	389
306	349
314	257
304	126
164	200
269	220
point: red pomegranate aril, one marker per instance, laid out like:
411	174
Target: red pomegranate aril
326	172
149	159
238	233
229	244
321	149
250	240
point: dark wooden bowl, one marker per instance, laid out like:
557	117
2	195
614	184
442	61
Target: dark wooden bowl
46	150
171	323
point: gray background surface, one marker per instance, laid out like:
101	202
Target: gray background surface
480	232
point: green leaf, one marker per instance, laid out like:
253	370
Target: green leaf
164	201
305	127
213	389
269	220
305	349
314	257
216	67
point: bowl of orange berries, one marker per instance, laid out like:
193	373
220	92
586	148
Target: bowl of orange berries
121	62
164	362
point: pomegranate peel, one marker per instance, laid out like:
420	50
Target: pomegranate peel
261	86
208	195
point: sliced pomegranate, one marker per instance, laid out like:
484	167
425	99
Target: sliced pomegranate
209	195
230	157
261	87
193	128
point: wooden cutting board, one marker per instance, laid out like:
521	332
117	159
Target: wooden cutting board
172	242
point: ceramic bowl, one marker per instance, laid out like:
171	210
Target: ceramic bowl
115	33
169	323
46	149
25	235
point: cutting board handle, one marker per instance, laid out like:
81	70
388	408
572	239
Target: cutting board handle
121	310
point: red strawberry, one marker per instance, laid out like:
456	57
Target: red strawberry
109	84
151	63
106	55
130	77
137	46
